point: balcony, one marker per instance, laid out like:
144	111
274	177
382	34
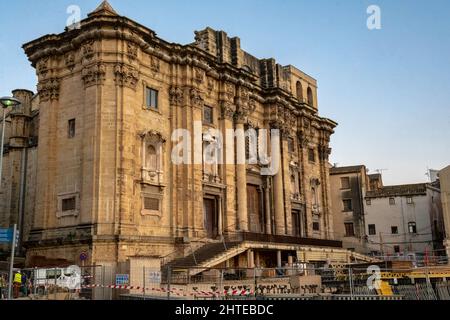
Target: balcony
282	239
152	177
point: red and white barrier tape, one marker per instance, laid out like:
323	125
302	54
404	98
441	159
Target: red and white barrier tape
176	291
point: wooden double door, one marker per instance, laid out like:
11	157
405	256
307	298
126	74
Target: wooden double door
211	217
298	223
254	209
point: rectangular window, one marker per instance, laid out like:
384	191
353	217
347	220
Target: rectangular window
69	204
348	206
208	115
151	204
369	202
397	249
71	129
311	155
409	200
372	230
349	229
394	230
316	226
291	145
412	228
345	183
151	98
392	201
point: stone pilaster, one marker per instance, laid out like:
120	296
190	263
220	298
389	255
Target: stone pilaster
279	201
286	185
267	206
324	152
195	171
241	182
48	89
229	170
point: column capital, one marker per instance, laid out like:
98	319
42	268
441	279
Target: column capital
285	131
227	110
324	152
49	89
176	95
196	97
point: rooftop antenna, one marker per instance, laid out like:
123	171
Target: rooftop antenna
380	171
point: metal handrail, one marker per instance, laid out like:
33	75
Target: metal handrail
164	259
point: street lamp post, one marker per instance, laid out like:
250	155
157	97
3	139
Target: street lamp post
5	103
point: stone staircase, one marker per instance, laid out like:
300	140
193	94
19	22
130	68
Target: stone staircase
201	257
212	254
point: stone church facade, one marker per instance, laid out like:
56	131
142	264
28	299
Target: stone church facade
99	134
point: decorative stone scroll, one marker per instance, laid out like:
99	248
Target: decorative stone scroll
127	76
69	59
155	64
132	51
93	75
176	96
42	67
303	140
227	110
196	97
210	85
88	50
49	89
324	152
199	75
229	92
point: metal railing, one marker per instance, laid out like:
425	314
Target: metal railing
298	282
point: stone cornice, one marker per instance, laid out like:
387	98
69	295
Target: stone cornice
99	27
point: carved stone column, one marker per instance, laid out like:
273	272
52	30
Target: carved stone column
220	216
250	259
279	200
324	152
243	111
195	218
286	184
241	181
267	207
229	171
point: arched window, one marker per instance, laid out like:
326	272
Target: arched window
152	158
310	97
299	90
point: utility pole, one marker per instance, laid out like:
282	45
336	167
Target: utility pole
11	264
5	103
381	245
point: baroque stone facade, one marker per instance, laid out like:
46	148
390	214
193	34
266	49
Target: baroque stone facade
110	96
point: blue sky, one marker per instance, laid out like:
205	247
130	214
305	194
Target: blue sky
388	89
